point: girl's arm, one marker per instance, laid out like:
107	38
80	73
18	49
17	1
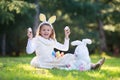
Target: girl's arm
62	47
30	48
67	32
65	46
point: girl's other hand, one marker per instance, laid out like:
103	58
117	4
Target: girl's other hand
67	32
29	33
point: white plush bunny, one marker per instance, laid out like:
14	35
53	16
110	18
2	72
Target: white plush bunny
82	61
81	50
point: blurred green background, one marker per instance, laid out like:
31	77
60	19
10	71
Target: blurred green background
98	20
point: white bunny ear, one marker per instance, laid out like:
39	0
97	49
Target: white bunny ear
42	17
77	42
87	41
52	19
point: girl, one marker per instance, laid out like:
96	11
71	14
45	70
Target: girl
44	43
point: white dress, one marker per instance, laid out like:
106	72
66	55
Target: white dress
43	49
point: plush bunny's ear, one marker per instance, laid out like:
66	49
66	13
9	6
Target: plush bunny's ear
42	17
87	41
52	19
77	42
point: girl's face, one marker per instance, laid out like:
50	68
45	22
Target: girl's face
46	31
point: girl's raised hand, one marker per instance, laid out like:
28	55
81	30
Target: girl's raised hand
67	32
29	33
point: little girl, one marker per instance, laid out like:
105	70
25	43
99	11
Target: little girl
44	43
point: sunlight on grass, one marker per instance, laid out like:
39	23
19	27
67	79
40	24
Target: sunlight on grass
103	54
37	71
18	68
25	67
1	64
96	75
111	69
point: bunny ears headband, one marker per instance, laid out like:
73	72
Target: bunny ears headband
51	20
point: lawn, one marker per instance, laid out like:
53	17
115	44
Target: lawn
18	68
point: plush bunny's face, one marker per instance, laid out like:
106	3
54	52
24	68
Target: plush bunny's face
81	51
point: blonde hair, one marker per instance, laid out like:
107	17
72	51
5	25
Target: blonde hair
41	25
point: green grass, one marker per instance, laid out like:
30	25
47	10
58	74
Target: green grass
12	68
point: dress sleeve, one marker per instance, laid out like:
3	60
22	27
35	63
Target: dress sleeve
30	48
62	47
